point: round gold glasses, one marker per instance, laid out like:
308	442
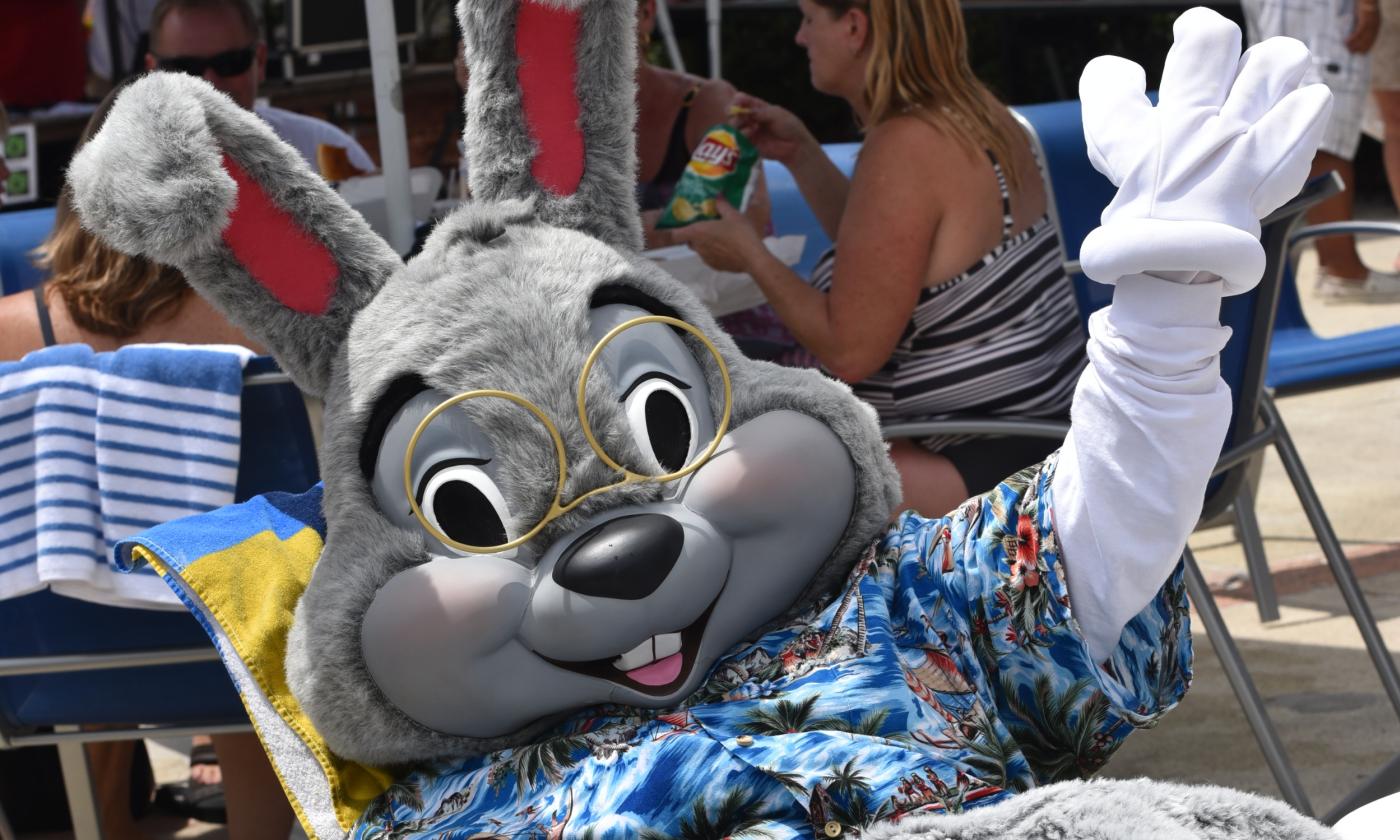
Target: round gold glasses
556	507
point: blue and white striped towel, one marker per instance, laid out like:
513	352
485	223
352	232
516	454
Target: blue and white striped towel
95	447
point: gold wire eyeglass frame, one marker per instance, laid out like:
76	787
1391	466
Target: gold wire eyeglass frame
556	507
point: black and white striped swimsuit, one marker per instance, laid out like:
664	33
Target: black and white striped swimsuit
1001	339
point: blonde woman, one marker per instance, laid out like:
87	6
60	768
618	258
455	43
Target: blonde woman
944	295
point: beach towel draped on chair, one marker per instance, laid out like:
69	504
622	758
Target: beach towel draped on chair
95	447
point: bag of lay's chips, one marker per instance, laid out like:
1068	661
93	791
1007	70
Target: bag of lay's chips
725	163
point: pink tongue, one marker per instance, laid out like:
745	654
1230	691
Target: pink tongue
660	672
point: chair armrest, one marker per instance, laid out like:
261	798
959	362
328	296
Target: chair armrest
1049	429
71	663
1352	228
1316	190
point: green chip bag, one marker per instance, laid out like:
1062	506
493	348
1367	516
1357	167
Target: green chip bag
724	164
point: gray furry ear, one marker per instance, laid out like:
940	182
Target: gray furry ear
182	175
551	108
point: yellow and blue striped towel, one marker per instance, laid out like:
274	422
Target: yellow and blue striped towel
241	571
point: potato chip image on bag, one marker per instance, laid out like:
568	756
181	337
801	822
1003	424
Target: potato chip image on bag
724	164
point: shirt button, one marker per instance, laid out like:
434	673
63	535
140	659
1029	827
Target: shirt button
832	829
744	740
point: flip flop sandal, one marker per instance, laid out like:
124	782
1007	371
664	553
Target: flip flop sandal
195	800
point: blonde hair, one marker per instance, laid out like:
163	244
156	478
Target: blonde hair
105	291
919	66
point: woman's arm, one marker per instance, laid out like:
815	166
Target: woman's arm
781	136
823	185
885	239
652	236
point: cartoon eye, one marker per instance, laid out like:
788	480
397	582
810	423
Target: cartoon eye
462	502
663	420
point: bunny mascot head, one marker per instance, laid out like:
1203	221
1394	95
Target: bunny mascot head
585	570
411	641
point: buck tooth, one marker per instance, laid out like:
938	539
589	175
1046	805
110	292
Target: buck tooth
667	644
635	658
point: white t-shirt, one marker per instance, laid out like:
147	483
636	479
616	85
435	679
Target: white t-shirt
133	19
306	133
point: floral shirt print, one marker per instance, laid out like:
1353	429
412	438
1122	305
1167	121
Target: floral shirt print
948	674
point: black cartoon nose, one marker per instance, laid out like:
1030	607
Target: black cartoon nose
625	558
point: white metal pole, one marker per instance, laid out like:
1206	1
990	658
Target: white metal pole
712	26
388	115
668	35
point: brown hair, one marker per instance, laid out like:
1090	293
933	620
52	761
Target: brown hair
105	291
245	10
918	65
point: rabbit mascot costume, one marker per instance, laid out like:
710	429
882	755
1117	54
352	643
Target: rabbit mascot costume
581	569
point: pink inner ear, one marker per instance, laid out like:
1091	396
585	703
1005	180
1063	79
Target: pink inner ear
276	251
546	46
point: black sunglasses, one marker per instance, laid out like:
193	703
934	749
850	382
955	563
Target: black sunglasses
230	63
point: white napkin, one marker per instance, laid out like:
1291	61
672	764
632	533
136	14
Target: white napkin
724	292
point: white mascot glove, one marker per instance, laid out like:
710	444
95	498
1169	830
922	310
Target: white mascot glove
1231	139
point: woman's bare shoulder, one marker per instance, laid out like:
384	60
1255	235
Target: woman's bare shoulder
908	149
714	91
914	139
709	107
678	84
19	326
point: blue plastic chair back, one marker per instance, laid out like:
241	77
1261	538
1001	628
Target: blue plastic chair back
45	624
276	450
1301	361
21	231
276	453
1078	192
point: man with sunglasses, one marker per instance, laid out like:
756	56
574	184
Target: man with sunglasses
218	40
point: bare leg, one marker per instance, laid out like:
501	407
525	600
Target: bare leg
257	806
932	485
204	774
110	765
1337	254
1389	102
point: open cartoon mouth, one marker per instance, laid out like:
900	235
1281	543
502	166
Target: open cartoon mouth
658	666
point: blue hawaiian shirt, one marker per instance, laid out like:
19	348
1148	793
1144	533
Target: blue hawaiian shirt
948	674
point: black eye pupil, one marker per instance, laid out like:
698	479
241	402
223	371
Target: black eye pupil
668	429
465	514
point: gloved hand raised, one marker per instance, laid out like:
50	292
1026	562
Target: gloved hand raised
1231	139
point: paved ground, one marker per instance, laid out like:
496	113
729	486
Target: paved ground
1310	666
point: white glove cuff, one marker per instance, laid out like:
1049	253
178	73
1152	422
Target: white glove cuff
1135	246
1149	302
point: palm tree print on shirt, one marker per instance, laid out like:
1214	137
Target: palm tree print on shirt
736	816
